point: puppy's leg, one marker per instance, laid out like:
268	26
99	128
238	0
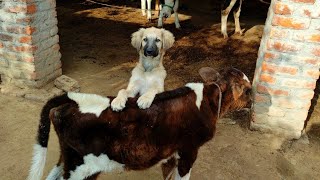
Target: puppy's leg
224	18
175	9
146	99
132	90
160	20
149	10
143	7
236	15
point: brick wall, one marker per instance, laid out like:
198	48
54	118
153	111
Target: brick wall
287	66
29	50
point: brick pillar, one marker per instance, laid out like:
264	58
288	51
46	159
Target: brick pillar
287	66
29	49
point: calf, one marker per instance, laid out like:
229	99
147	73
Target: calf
226	7
95	139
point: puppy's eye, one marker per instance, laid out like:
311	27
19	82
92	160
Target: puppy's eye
145	39
158	40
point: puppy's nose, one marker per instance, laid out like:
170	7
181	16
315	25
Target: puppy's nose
149	51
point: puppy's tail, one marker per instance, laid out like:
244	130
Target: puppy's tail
40	148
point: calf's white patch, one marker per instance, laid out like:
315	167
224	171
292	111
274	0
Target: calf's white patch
55	173
94	164
245	78
198	90
90	103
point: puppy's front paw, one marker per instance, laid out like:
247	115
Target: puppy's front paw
145	101
118	103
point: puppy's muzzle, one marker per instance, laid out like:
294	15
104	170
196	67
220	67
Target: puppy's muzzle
151	51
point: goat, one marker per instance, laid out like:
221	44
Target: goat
95	139
226	7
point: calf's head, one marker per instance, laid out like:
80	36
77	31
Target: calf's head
234	84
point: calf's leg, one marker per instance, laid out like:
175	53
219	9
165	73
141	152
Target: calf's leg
187	158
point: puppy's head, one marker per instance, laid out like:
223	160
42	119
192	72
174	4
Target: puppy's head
151	42
167	8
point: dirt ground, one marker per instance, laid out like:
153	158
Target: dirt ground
96	51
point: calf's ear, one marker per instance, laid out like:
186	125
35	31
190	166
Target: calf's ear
237	90
136	38
209	75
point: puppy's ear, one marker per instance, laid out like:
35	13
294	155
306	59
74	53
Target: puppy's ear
136	38
167	38
209	75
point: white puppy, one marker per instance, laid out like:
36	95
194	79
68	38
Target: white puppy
169	6
148	76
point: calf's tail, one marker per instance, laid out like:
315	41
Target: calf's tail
40	148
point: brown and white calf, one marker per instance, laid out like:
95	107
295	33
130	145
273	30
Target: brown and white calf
95	139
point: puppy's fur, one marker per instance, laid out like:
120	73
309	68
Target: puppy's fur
148	76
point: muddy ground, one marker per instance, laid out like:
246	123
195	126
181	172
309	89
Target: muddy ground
96	51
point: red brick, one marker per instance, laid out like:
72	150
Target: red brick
259	98
303	94
312	73
304	1
30	30
272	91
297	83
289	22
275	69
25	39
267	78
282	46
5	37
25	20
21	29
31	9
281	8
285	103
25	48
28	59
279	33
316	51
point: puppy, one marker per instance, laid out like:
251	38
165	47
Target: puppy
167	7
148	76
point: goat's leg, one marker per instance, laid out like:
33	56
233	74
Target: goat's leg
149	15
236	15
157	7
143	7
224	17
